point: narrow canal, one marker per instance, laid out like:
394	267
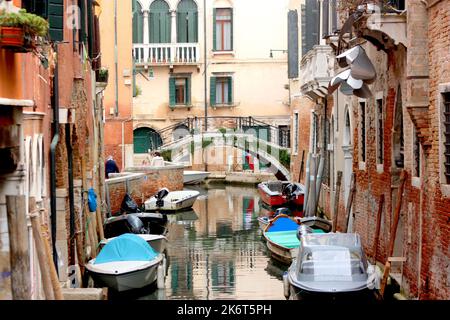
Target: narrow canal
216	251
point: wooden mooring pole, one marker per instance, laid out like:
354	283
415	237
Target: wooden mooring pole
40	250
18	246
393	235
378	228
336	200
351	195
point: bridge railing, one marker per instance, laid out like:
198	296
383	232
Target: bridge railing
224	124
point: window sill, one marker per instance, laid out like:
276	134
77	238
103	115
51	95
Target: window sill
416	182
222	106
224	53
181	106
380	168
362	165
445	190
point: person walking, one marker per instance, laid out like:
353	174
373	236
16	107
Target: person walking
110	167
157	160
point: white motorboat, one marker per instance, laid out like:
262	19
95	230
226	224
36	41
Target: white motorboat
165	200
156	241
194	177
127	262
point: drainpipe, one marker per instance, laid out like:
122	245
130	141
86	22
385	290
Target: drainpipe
71	190
116	63
55	140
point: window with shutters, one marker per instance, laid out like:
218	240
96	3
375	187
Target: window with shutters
295	140
138	22
53	11
187	22
362	131
310	25
380	130
221	90
180	91
159	26
223	29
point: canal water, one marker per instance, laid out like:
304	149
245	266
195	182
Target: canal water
216	252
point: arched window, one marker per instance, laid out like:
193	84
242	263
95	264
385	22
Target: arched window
347	132
145	139
187	21
159	27
398	139
138	23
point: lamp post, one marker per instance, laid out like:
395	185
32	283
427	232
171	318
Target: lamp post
272	50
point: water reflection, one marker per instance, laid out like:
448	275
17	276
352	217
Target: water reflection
216	252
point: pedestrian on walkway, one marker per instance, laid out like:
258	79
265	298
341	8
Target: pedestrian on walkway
157	160
110	167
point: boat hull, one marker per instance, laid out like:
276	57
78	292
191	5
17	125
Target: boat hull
276	199
297	293
281	254
170	205
194	177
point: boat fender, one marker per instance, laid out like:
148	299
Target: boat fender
286	285
161	277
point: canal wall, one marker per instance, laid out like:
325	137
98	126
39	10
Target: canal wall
141	183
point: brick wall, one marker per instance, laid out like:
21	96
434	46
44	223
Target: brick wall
142	183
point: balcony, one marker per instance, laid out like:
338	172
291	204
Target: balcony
166	54
316	71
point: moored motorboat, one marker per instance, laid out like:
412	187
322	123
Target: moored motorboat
281	193
265	220
137	223
194	177
166	200
330	266
127	262
156	241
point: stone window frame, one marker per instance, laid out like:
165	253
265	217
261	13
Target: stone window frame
416	179
442	89
295	132
361	163
380	96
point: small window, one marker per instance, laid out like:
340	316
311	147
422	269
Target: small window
223	29
221	90
296	132
446	127
380	131
416	154
362	144
179	88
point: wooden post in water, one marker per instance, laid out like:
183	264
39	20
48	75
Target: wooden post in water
396	217
18	246
40	249
378	227
336	200
351	195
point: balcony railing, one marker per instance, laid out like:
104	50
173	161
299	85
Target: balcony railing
316	70
166	53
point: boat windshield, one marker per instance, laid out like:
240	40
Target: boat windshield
332	263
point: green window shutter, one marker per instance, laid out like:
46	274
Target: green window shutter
56	19
212	93
214	30
138	23
159	26
231	27
82	31
188	90
90	17
230	90
171	91
181	26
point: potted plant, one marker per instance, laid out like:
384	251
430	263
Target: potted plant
19	30
102	75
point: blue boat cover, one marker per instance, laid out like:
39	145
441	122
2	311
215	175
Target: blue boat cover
283	224
127	247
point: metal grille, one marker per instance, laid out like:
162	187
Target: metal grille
447	135
363	130
416	154
380	130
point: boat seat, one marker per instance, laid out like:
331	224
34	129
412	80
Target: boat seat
287	239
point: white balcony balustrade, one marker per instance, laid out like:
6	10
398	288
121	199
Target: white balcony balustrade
316	70
166	53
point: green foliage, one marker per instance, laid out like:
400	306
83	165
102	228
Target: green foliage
102	75
137	91
205	143
222	130
30	23
167	155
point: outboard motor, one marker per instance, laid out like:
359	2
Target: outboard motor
303	230
291	191
135	224
160	195
285	211
129	205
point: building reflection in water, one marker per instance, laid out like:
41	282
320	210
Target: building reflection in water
220	254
